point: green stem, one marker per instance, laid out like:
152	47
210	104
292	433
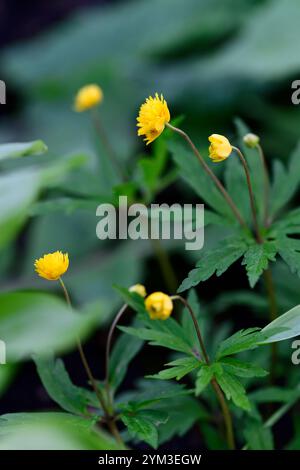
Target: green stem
251	195
109	419
165	265
266	185
107	350
220	396
211	174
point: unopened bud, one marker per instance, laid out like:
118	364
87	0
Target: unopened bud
251	140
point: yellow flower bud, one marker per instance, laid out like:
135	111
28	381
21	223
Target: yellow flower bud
251	140
138	289
52	266
152	118
88	97
220	148
159	306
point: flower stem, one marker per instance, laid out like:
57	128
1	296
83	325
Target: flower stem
266	185
211	175
106	144
252	202
220	396
165	265
269	285
108	347
110	419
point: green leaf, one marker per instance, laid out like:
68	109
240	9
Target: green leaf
289	250
204	377
123	352
233	390
284	327
179	368
215	261
239	341
184	412
151	392
51	431
158	338
134	300
274	395
193	173
7	374
286	182
258	437
16	150
143	424
242	369
256	259
32	322
58	384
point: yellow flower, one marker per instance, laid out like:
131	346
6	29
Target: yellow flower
88	97
52	266
159	306
152	118
220	148
138	289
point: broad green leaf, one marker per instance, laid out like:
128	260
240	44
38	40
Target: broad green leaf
240	341
284	327
178	369
51	431
215	261
158	338
59	386
34	322
204	377
7	374
20	189
122	353
16	150
242	369
258	437
233	390
256	259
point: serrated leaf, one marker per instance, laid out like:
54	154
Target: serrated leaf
289	250
233	390
143	425
178	369
239	341
215	261
204	377
158	338
242	369
256	259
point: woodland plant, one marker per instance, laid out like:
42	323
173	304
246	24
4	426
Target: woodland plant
204	383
